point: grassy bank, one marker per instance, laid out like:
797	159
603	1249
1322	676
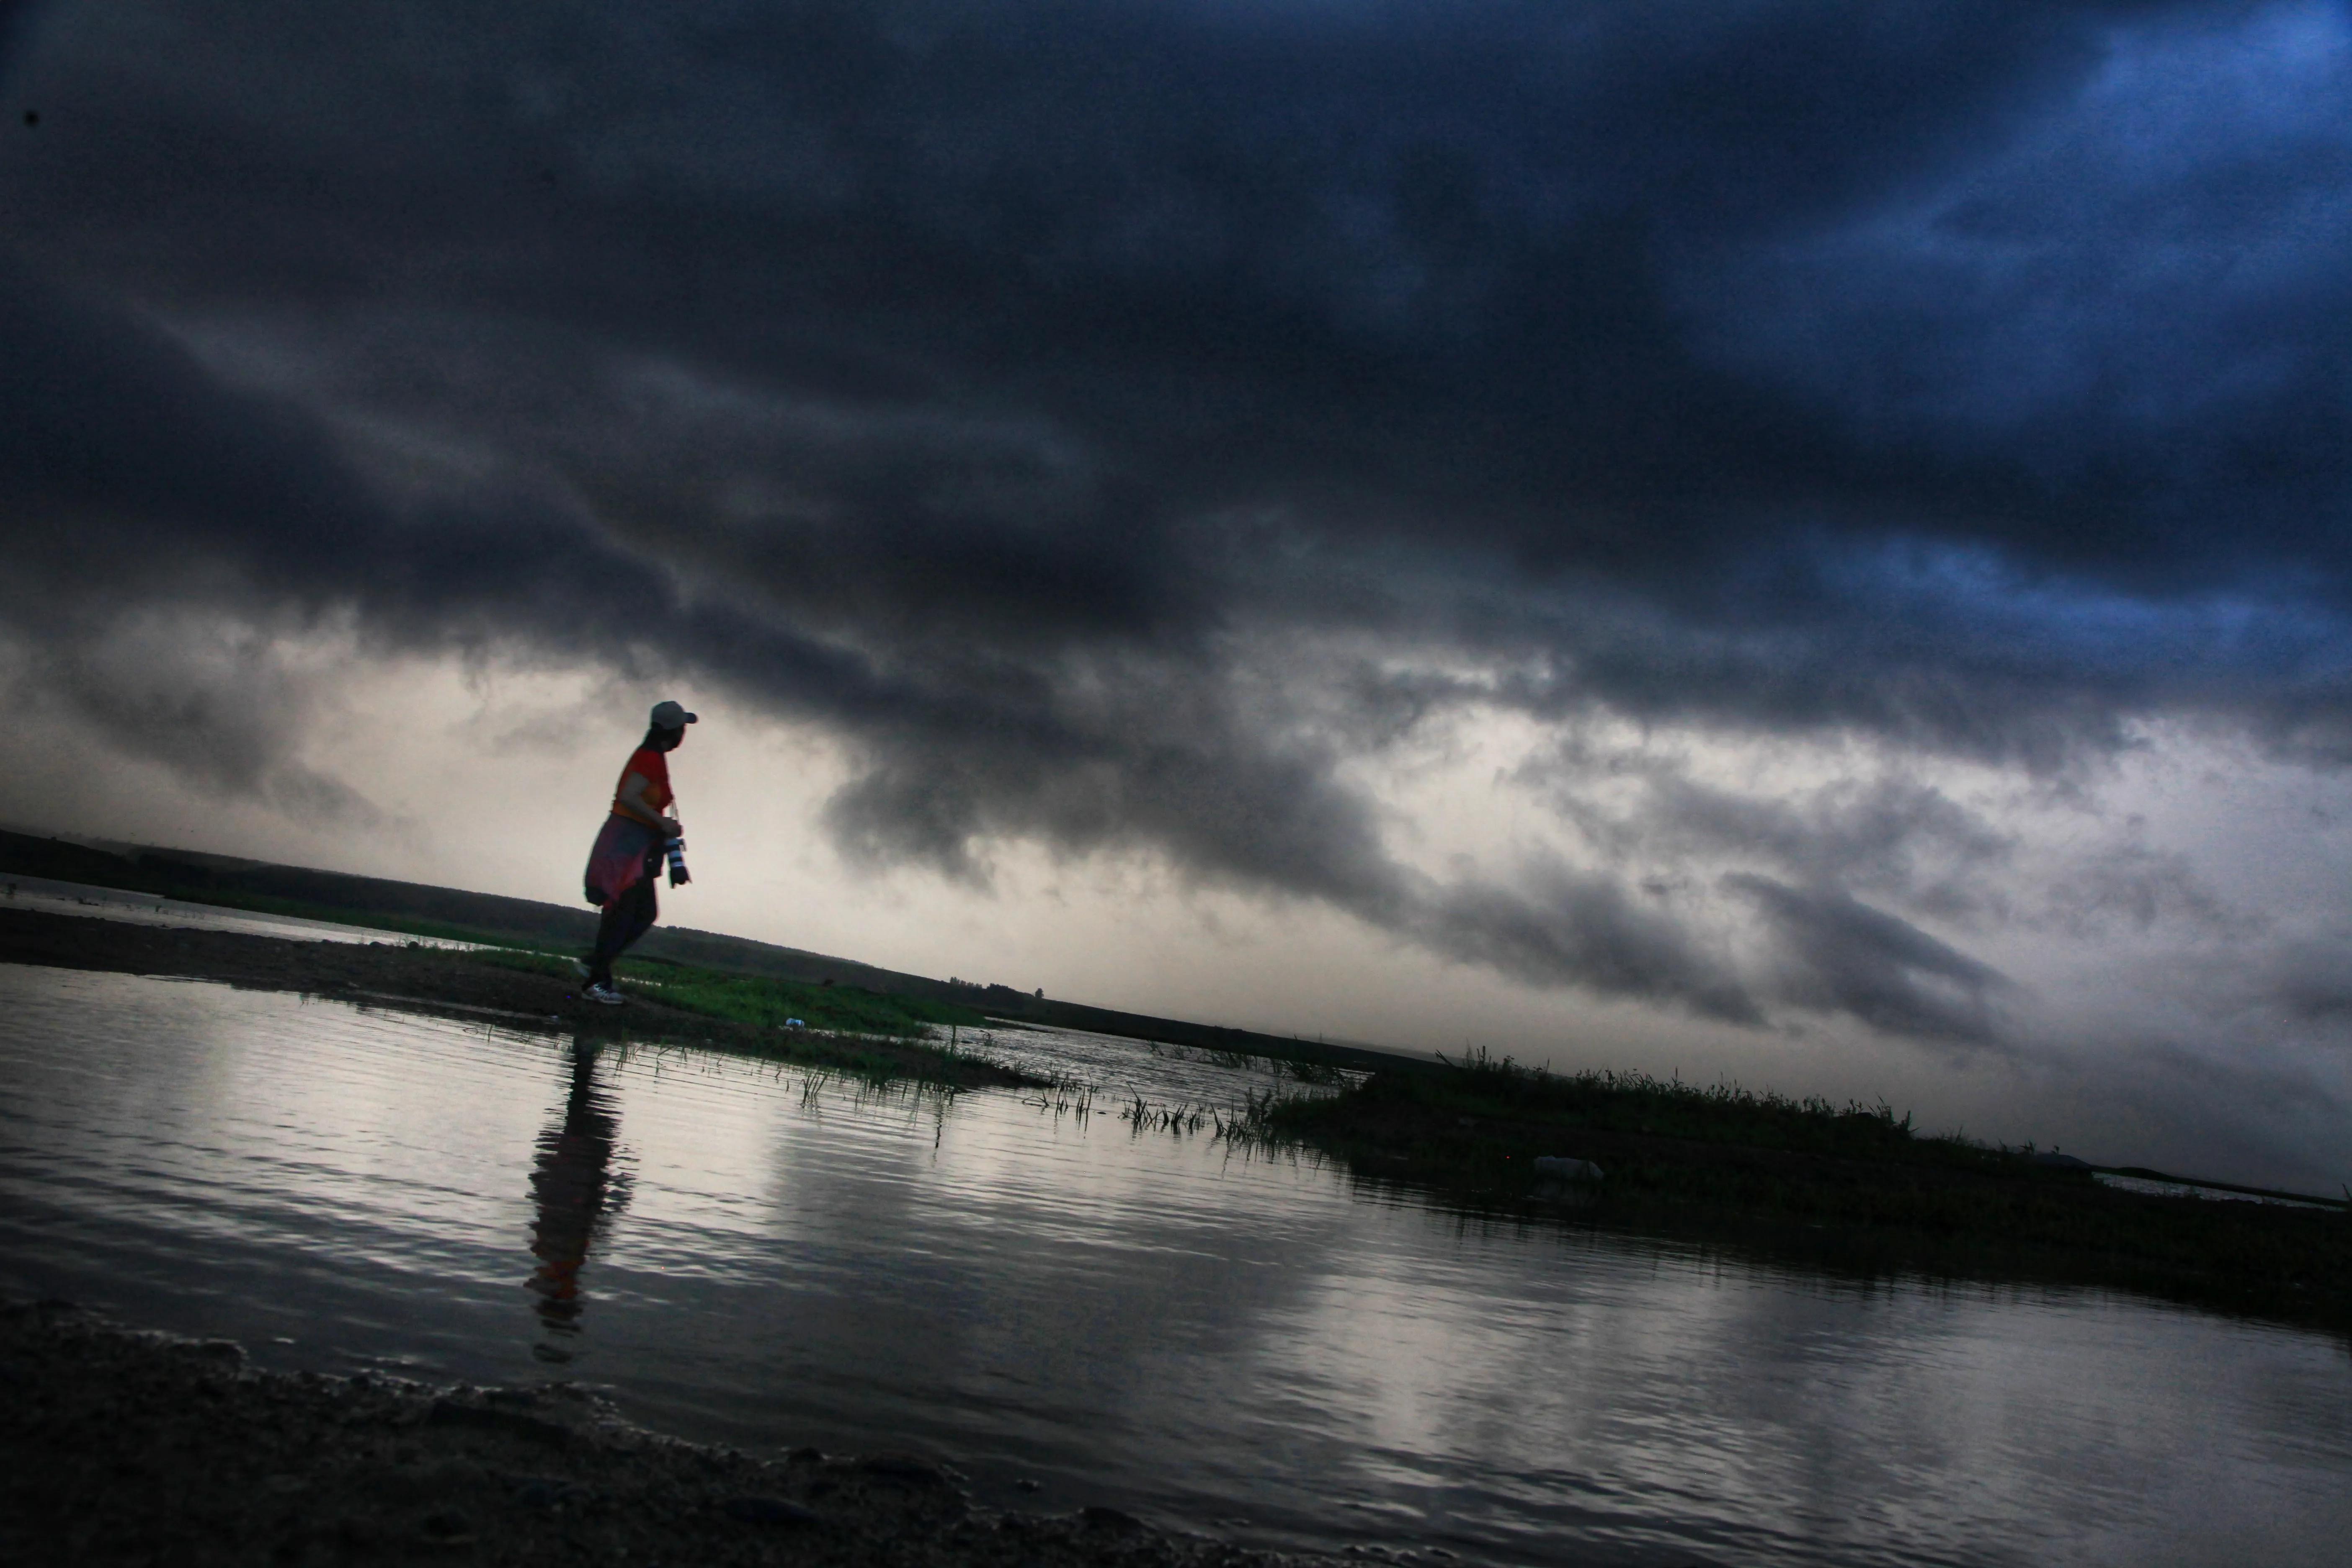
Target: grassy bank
862	1036
758	1000
414	908
1724	1163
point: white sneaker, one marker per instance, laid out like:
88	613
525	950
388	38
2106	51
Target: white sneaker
606	995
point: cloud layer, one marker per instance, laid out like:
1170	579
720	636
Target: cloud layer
1118	421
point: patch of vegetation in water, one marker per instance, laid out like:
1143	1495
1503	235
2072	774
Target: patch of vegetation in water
1303	1070
1481	1085
822	1067
761	1001
1858	1178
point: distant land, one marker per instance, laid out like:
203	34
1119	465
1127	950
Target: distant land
418	909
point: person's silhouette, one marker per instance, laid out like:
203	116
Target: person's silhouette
572	1188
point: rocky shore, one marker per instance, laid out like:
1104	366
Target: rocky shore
126	1447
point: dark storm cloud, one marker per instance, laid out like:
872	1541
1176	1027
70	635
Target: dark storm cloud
1843	955
1039	396
1890	836
1573	928
2307	981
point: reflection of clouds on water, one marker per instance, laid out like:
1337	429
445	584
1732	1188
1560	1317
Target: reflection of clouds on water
1495	1383
1157	1322
573	1189
999	1279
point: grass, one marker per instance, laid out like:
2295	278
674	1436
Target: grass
1301	1068
872	1063
848	1030
1482	1086
757	1000
858	1058
1064	1097
844	1030
818	1079
1144	1117
762	1002
1739	1165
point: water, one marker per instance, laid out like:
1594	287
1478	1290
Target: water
1250	1347
2191	1190
41	895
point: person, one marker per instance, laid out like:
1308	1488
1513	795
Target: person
629	851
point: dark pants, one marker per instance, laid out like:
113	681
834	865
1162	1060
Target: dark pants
626	918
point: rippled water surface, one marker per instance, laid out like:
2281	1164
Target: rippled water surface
1245	1346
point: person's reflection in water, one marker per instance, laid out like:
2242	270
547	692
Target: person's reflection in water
572	1188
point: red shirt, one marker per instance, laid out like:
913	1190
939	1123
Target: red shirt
655	765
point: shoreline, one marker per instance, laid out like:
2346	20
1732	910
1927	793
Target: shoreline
1457	1135
119	1447
402	909
452	983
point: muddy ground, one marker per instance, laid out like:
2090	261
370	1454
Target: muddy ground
445	982
118	1447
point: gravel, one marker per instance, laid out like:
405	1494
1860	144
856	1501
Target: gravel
126	1446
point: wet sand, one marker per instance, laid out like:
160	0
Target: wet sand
119	1447
444	983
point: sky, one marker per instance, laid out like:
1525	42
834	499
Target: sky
1795	543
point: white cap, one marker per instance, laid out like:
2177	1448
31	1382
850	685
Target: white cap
668	715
